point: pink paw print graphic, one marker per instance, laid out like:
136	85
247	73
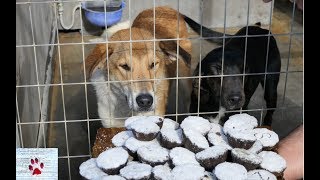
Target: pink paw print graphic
35	167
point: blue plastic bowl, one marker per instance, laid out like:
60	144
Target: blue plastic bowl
98	18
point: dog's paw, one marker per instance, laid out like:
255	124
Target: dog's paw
36	167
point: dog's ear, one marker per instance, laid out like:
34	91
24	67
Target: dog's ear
170	48
97	58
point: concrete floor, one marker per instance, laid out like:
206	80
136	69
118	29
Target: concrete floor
286	118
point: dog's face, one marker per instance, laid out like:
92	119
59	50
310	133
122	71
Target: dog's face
232	93
135	69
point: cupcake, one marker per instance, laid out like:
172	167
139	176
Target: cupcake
120	138
112	160
161	172
260	174
212	156
246	158
90	170
144	130
194	140
273	163
240	122
228	171
187	172
171	138
267	137
180	155
241	139
136	171
196	123
153	155
170	124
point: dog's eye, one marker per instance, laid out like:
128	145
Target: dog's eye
153	65
125	67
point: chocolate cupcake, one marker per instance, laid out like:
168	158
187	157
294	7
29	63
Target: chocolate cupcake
260	174
246	158
227	171
136	171
119	139
273	163
240	122
180	155
212	156
187	171
112	160
267	137
241	139
133	144
170	124
153	155
194	140
218	138
170	138
161	172
196	123
144	130
90	170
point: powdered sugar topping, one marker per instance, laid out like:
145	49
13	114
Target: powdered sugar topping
133	144
187	172
246	155
145	126
169	124
162	172
196	138
172	135
112	158
213	151
120	138
230	171
272	162
240	122
153	153
196	123
260	174
220	139
90	170
136	171
180	155
266	137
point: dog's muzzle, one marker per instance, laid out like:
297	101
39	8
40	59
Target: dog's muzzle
235	101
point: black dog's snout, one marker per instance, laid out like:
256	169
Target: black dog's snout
144	100
234	99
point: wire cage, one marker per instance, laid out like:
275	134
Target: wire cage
56	101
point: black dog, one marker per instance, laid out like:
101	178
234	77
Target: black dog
233	95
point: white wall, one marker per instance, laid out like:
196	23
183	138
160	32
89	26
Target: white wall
213	12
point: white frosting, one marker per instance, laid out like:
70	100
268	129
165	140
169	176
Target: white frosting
133	144
230	171
113	177
196	138
216	139
243	135
145	126
155	119
136	171
172	135
112	158
246	155
180	155
187	172
196	123
260	174
162	172
120	138
131	120
215	128
256	147
266	137
169	124
240	122
90	170
153	153
213	151
272	162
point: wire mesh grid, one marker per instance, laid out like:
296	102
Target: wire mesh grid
45	121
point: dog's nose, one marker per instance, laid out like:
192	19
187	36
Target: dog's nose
144	100
234	99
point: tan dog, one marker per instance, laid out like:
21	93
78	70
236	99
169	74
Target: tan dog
143	95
